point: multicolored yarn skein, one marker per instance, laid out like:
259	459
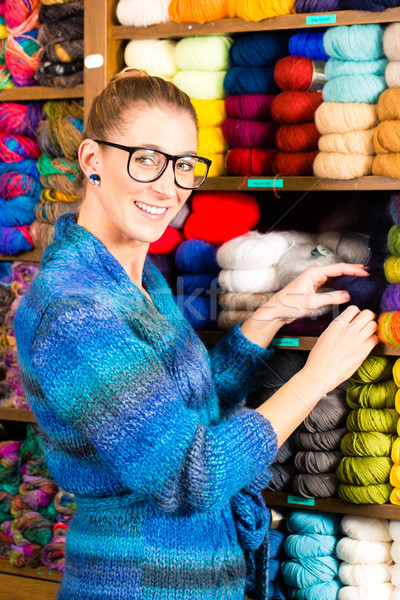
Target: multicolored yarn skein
365	478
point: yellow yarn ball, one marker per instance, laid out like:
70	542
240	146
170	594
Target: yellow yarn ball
210	113
373	419
365	470
392	269
218	165
339	117
336	165
387	137
367	443
203	53
387	165
374	395
395	454
211	141
395	496
360	142
208	85
389	104
396	373
368	494
257	10
395	476
373	369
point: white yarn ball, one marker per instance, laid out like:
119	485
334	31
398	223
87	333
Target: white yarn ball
155	56
392	73
395	552
203	53
206	85
391	41
363	552
299	257
396	594
364	574
253	250
382	591
394	529
396	575
366	528
142	13
248	280
350	247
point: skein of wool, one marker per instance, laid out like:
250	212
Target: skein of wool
305	572
373	419
142	14
302	521
255	107
305	6
391	45
392	269
20	118
388	105
253	250
300	256
21	17
330	413
249	134
336	165
296	73
365	470
251	11
14	240
359	142
350	42
309	44
155	56
22	56
354	88
196	256
323	485
380	394
203	53
365	292
367	443
250	161
258	49
294	163
249	280
372	5
250	80
366	528
295	107
389	328
364	552
341	117
324	440
206	85
338	68
297	138
211	141
42	234
387	165
373	369
364	575
210	113
392	74
351	246
309	544
199	11
391	298
315	463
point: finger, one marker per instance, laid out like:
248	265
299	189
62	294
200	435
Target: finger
348	314
328	298
321	274
370	328
363	318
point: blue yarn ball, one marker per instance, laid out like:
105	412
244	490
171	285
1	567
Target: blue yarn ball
13	241
274	568
196	256
305	6
309	44
310	544
276	591
258	49
372	5
27	167
301	521
354	88
328	590
365	292
5	273
197	311
197	284
354	42
18	211
250	80
335	67
276	539
305	572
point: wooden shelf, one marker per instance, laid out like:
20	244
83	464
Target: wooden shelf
39	92
300	21
17	414
40	572
333	505
295	343
31	256
292	184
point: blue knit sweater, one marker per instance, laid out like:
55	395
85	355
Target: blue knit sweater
136	420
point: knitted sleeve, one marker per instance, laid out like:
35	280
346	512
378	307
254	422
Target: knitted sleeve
235	364
111	386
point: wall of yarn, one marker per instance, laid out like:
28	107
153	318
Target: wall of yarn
389	318
19	178
58	137
34	512
61	37
395	453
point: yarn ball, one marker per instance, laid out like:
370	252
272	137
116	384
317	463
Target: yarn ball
354	88
387	165
392	74
302	521
253	250
391	298
387	137
249	280
256	107
167	243
364	552
207	85
22	57
210	113
294	163
359	142
211	141
364	575
323	485
251	11
340	117
142	14
258	49
365	292
307	545
20	118
373	369
382	591
203	53
297	138
330	413
394	530
196	256
391	43
366	528
305	572
372	5
309	44
354	42
155	56
367	443
389	328
310	6
337	68
199	12
21	17
294	73
365	470
392	269
327	590
317	462
250	161
336	165
298	258
250	80
249	134
380	394
321	440
295	107
388	104
351	247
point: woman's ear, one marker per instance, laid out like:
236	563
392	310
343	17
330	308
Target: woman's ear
89	157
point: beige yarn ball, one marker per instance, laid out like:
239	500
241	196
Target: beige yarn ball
391	41
155	56
339	117
335	165
360	142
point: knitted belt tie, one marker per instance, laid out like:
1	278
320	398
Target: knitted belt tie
252	520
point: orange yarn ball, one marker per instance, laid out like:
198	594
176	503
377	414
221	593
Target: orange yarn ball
389	328
297	138
198	11
295	107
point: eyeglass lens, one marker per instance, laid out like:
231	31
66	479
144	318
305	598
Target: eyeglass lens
145	165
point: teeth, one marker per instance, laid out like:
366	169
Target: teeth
151	209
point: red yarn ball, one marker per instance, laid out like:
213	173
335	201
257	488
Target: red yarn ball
240	133
297	138
294	73
294	163
250	161
233	214
168	242
295	107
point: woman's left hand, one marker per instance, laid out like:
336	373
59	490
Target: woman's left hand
304	295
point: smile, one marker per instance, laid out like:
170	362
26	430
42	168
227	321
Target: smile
154	210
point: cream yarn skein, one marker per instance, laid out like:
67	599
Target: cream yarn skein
364	574
366	528
155	56
248	280
252	250
142	14
339	117
383	591
363	552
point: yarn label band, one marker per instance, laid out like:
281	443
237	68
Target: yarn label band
285	342
300	500
320	19
265	183
319	78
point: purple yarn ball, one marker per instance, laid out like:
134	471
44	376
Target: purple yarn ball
372	5
391	298
305	6
365	292
394	209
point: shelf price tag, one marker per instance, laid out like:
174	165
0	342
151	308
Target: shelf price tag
265	183
320	19
285	342
301	501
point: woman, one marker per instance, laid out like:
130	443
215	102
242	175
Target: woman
134	413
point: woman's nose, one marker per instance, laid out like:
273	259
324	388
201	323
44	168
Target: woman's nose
166	183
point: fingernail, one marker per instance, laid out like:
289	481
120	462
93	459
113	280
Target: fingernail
367	268
346	296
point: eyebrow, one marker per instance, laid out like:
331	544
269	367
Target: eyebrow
156	147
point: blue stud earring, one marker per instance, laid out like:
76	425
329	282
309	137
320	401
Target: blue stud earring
94	179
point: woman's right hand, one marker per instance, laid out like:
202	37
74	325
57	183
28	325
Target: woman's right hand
342	347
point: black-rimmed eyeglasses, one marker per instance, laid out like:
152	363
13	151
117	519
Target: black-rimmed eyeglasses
147	165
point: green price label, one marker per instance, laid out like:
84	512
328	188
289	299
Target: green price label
320	19
300	500
265	183
285	342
